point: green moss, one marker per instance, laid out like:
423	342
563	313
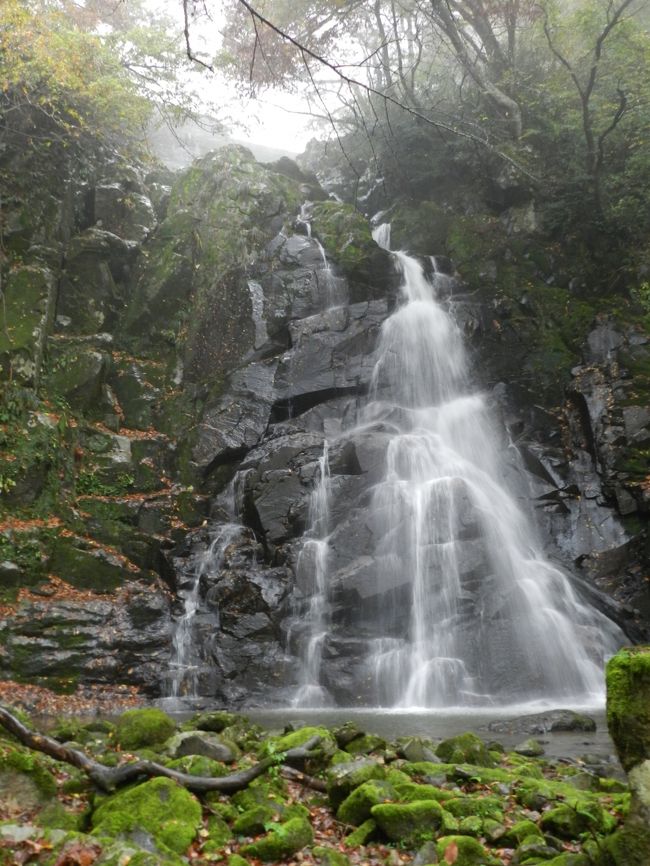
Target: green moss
219	833
282	841
299	738
409	823
197	765
472	825
215	721
330	856
254	820
628	704
36	767
364	833
407	792
237	860
465	749
365	744
159	807
143	727
356	808
570	821
629	846
485	807
468	852
55	815
519	831
342	779
345	234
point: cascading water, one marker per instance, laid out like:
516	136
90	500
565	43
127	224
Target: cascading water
186	662
312	575
484	616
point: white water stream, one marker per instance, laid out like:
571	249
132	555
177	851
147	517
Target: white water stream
488	618
185	662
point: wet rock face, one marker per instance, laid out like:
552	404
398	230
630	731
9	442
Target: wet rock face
195	334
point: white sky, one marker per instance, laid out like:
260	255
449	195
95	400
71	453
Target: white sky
274	119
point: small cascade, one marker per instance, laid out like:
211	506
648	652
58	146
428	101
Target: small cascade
186	663
381	236
312	572
332	288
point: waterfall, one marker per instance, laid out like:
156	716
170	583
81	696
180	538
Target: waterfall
479	616
312	576
186	663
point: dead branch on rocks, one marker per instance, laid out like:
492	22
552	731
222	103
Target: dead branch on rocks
108	779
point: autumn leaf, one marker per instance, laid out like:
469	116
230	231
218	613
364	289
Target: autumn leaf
78	854
451	853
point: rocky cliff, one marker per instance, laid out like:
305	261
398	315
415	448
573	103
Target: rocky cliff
170	352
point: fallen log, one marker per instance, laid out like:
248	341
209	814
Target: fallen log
107	779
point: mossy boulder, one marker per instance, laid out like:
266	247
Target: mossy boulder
298	738
347	239
465	850
485	807
628	704
202	743
407	792
408	823
26	783
465	749
143	727
343	778
282	841
356	808
520	831
330	856
196	765
365	744
215	721
27	313
254	820
569	821
159	809
364	833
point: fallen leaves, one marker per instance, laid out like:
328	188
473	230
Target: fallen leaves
451	853
86	701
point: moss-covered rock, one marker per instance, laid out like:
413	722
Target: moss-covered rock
465	850
407	792
465	749
628	704
485	807
570	821
159	808
356	808
408	823
143	727
365	744
330	856
281	841
254	820
215	721
343	778
27	313
363	834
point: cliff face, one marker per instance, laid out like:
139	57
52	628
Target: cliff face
165	334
